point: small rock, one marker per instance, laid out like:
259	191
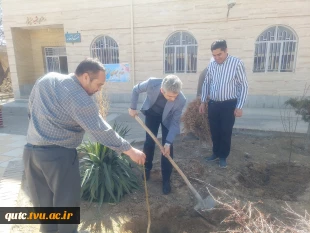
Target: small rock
260	192
304	198
246	155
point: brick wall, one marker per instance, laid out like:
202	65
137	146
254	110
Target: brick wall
155	20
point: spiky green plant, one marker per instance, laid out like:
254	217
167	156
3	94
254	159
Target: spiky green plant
106	176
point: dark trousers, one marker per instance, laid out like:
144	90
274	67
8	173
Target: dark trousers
153	123
221	118
53	178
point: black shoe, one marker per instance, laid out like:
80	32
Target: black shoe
166	187
147	175
212	158
223	163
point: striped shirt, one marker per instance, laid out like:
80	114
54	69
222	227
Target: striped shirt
60	111
226	81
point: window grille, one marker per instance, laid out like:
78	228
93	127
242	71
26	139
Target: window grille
105	49
180	53
56	59
275	50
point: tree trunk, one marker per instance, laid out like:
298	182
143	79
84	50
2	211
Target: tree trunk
307	144
2	74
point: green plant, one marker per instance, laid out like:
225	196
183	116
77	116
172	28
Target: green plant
106	176
289	123
302	107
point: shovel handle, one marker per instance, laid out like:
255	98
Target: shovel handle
198	197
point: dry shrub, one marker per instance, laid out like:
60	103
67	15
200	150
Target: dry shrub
245	218
6	86
300	223
103	102
196	123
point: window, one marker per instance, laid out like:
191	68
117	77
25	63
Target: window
105	49
180	53
275	50
56	59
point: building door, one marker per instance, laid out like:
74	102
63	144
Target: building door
56	59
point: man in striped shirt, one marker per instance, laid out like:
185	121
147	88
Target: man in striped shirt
226	84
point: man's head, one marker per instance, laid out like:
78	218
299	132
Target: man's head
171	87
219	51
91	74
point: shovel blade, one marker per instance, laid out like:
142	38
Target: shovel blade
206	204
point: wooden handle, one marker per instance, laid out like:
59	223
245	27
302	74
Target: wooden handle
198	197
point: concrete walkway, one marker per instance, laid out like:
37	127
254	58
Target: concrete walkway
11	148
269	119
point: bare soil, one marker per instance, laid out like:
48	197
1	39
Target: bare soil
257	171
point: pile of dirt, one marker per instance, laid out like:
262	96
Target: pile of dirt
174	220
277	181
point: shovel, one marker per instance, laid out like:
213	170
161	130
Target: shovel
203	204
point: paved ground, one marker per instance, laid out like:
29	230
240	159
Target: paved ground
10	149
16	121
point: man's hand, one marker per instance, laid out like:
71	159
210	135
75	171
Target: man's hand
136	155
202	108
132	112
238	112
166	151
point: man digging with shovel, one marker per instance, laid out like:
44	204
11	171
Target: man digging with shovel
163	106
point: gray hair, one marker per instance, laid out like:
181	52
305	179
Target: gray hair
171	83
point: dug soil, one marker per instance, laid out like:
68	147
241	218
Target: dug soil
258	171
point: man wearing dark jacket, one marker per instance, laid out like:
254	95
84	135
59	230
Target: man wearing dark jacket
163	106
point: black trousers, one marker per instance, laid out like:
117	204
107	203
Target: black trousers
53	178
153	123
222	119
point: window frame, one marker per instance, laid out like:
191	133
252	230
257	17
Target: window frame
54	52
114	50
175	47
283	44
